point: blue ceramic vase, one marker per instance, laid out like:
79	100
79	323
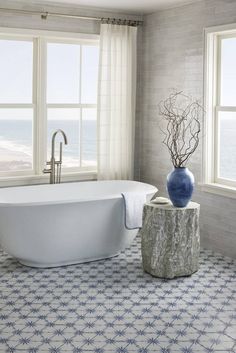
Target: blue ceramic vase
180	184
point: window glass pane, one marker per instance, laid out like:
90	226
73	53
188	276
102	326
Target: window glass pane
63	68
16	139
90	58
67	120
16	71
227	125
228	72
89	137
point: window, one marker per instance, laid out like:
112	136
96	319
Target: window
47	83
71	100
220	100
16	105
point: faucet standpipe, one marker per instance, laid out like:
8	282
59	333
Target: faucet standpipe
55	166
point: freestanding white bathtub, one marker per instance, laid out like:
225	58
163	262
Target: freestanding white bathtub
62	224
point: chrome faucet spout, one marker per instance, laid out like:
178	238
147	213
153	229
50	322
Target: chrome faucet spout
53	140
53	163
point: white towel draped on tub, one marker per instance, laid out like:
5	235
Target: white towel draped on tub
134	203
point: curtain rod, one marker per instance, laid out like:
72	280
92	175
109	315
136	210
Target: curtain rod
44	15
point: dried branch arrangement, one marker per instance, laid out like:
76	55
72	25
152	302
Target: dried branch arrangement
181	118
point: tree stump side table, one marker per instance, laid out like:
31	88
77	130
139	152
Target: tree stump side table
170	240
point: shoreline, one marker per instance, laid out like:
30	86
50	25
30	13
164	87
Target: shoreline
19	160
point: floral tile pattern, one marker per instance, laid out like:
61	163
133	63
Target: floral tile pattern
113	306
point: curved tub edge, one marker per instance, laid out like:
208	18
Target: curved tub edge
83	261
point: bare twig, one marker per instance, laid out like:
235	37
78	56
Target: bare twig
181	116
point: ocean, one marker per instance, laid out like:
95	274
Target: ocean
16	143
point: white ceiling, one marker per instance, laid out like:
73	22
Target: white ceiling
126	6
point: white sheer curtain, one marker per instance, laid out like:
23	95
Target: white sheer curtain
116	101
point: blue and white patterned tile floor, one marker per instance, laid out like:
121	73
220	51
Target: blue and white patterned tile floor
113	306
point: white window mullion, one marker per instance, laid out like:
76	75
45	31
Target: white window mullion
218	72
16	105
81	109
216	147
41	106
209	102
81	136
70	105
225	109
35	103
217	82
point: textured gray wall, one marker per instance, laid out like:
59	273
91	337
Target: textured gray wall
172	56
54	23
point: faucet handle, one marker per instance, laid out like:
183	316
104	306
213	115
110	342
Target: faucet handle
45	170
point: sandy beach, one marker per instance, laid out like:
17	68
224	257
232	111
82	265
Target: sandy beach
18	160
14	160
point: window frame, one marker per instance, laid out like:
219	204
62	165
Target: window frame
39	105
211	181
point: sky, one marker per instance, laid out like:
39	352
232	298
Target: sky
228	72
63	78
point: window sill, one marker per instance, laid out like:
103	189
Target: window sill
44	179
219	189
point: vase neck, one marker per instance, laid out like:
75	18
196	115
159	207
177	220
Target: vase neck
180	169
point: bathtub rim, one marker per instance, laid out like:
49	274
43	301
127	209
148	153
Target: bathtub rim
152	190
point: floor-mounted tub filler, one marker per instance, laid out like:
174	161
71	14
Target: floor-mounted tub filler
62	224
